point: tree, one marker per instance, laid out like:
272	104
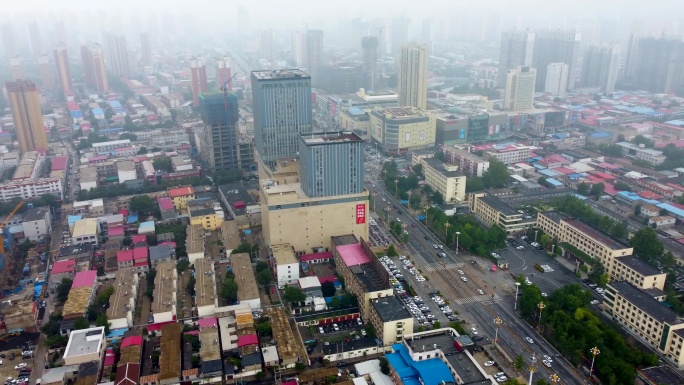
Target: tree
293	294
63	289
418	169
102	320
182	265
142	151
597	271
335	302
646	244
474	184
264	277
81	323
545	241
519	362
436	325
299	366
618	230
128	135
597	189
583	189
190	287
496	176
144	204
328	289
384	366
261	266
102	298
622	186
391	251
229	290
163	163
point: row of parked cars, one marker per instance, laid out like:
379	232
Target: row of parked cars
532	242
342	325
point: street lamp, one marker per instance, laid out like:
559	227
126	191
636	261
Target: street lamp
515	301
403	226
409	200
533	367
446	232
425	209
387	210
555	379
541	307
374	196
594	352
457	234
535	235
396	187
498	322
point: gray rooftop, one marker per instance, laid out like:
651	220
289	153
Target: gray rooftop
279	74
554	216
645	302
499	205
341	240
464	366
662	375
438	165
36	213
638	265
390	309
160	252
363	343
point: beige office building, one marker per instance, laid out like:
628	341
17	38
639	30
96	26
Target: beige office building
413	70
390	319
445	179
28	119
402	129
519	93
493	211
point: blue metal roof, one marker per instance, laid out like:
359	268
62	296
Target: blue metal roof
578	196
114	104
97	111
600	134
356	111
74	218
676	122
549	172
76	114
430	372
554	182
671	209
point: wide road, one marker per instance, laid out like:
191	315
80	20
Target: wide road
479	310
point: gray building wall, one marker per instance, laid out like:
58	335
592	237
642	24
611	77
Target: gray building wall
553	46
281	101
330	168
451	130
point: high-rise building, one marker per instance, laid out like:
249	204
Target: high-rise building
116	55
267	45
656	64
94	67
28	120
515	51
399	33
426	31
554	46
413	69
314	53
61	32
299	47
217	137
370	59
198	72
36	41
519	93
45	70
63	70
223	74
556	79
600	67
9	42
281	101
145	49
331	164
17	68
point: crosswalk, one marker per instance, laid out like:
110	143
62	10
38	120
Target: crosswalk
444	266
486	299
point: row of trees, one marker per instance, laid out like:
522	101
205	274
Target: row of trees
495	177
575	207
43	200
573	329
472	237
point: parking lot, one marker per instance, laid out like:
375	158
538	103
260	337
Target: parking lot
377	234
16	368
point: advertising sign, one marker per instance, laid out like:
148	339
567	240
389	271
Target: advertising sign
360	214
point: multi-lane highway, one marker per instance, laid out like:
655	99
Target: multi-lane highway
479	310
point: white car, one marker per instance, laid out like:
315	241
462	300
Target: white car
480	291
595	302
461	272
521	247
547	363
548	358
21	366
474	331
530	340
464	279
544	294
435	246
441	246
489	363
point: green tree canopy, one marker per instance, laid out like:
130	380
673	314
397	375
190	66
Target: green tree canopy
145	205
583	189
496	176
646	244
264	277
293	294
328	289
63	289
163	163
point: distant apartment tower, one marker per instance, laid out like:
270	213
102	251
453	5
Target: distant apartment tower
314	54
217	138
331	164
519	94
9	42
60	32
198	74
413	69
36	40
45	70
600	67
223	74
281	101
267	45
145	49
515	51
63	70
556	79
655	64
299	47
28	120
370	59
117	55
399	33
17	68
557	46
94	67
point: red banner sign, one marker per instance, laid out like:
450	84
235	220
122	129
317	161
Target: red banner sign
360	214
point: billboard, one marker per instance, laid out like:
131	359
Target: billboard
360	214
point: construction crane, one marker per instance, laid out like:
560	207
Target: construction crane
2	227
225	86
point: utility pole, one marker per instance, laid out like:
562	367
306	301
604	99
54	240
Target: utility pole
532	368
497	322
594	352
541	309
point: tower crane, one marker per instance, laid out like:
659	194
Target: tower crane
2	225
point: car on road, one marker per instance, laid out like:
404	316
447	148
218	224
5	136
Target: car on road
20	366
441	247
521	247
434	245
544	294
595	302
501	379
547	363
489	363
548	358
443	255
530	340
480	291
473	330
461	272
336	327
478	338
413	225
464	279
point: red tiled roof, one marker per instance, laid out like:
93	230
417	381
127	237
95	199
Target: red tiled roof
248	339
139	238
128	374
64	266
132	341
59	163
115	231
84	278
207	322
140	263
314	256
124	256
165	203
181	191
110	357
140	253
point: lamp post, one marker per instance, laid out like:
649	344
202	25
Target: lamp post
387	210
374	206
515	301
457	234
408	202
535	235
405	233
425	209
555	379
541	307
594	352
446	232
497	322
396	188
533	367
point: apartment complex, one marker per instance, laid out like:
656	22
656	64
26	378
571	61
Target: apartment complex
402	129
284	264
656	324
519	93
28	119
516	51
413	69
468	163
198	73
509	154
493	211
390	319
639	152
557	46
556	79
600	67
445	179
217	137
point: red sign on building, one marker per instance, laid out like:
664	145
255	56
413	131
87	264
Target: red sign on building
360	214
